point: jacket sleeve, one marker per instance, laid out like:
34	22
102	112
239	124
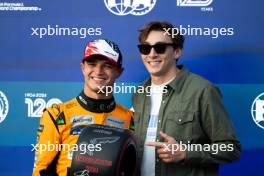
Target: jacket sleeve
47	139
224	147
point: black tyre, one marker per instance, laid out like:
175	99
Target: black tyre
104	151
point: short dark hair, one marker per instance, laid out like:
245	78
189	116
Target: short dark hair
177	40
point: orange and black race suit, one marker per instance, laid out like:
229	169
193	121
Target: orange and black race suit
61	125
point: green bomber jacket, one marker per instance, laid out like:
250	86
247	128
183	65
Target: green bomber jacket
191	112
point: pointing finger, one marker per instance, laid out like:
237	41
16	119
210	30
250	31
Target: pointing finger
155	144
166	137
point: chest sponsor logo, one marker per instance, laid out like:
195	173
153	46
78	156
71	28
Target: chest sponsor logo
82	120
115	122
77	130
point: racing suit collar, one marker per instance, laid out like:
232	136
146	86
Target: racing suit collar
96	105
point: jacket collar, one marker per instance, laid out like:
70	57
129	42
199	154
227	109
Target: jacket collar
178	81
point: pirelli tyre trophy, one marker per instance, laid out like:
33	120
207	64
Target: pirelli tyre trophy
105	151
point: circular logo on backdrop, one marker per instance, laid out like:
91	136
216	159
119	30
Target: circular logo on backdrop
257	110
4	107
134	7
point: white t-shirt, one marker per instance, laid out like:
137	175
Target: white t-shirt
148	160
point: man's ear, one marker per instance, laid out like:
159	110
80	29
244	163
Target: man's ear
177	53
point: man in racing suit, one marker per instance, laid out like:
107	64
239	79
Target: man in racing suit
61	124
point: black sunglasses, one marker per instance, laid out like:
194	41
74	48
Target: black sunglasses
159	48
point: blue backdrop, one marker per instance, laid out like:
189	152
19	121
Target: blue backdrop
42	43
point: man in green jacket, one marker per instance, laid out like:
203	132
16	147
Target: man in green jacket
181	124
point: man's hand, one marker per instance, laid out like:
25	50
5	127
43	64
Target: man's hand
169	150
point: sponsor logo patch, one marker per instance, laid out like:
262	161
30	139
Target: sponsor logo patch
115	122
82	120
61	119
77	130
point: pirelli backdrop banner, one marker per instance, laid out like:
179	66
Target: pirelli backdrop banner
42	43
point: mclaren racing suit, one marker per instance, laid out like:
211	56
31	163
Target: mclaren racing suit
61	125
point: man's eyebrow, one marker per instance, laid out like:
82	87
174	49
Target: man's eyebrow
107	62
93	60
155	42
